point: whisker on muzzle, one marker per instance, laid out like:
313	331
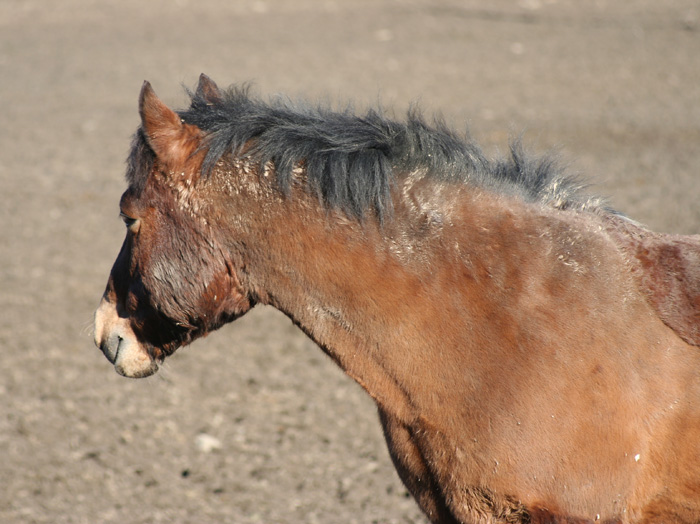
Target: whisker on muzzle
88	327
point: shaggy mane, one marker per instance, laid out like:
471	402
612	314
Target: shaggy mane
351	160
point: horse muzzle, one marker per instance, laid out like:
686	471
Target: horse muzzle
118	342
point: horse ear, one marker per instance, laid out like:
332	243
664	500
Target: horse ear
208	90
171	139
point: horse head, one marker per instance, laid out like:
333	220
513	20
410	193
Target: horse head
172	282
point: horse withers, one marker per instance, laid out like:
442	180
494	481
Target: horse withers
533	354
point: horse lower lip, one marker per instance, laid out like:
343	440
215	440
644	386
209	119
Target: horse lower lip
137	373
131	361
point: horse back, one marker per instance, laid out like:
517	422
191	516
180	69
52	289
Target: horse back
667	270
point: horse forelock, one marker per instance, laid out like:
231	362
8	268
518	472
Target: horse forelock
140	161
143	163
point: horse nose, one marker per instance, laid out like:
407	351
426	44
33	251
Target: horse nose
116	339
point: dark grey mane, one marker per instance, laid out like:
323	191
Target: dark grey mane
351	160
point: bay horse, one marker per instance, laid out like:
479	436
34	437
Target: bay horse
533	353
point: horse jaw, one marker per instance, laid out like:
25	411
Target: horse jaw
116	339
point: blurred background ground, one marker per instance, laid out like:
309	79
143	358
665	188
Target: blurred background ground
614	86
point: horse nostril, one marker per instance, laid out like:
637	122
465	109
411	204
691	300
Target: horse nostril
109	345
113	333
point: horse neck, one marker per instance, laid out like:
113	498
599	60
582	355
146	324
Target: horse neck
328	275
341	280
375	296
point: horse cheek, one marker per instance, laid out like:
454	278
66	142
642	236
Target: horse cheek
224	299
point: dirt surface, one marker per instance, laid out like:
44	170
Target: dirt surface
255	424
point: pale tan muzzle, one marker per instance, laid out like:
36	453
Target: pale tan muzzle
116	339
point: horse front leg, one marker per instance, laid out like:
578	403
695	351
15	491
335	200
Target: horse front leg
413	471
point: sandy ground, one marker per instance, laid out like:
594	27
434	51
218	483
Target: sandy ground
615	86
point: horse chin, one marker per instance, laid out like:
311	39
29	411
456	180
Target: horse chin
133	361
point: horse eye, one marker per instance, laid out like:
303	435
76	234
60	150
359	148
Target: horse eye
130	222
